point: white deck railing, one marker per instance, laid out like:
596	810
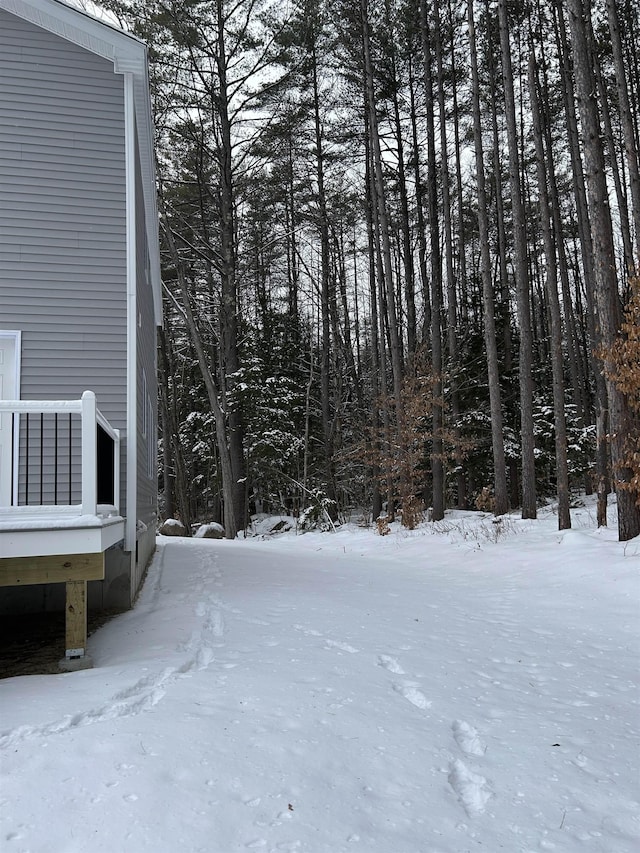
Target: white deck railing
84	452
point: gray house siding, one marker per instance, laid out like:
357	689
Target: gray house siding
62	217
63	255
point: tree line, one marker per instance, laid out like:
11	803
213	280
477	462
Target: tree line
401	241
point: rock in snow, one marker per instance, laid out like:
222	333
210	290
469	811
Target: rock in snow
172	527
213	530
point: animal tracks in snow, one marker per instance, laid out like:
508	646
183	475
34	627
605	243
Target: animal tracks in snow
145	693
387	662
410	692
471	788
330	644
343	647
134	701
467	738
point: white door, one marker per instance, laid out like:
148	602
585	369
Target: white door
9	390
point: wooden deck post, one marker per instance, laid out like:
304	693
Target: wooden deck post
76	656
76	619
74	570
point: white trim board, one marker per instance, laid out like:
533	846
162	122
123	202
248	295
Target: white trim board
132	321
16	336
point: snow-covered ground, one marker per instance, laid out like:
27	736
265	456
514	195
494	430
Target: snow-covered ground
467	686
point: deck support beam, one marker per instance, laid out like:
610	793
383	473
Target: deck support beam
74	570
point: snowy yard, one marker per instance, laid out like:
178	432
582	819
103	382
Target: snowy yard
427	692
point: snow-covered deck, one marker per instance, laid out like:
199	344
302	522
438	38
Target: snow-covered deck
52	531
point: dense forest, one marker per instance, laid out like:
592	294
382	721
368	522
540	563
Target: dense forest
400	241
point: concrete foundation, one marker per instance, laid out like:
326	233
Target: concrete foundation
76	664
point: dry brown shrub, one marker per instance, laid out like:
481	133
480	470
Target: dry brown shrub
622	365
486	501
398	451
383	525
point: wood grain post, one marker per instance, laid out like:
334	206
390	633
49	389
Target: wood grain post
76	619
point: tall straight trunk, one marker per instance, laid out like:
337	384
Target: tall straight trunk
437	455
578	380
381	208
624	226
551	280
325	379
630	34
576	366
176	482
420	224
222	438
378	301
292	246
168	464
505	308
529	509
606	285
407	254
505	297
501	499
456	113
229	306
586	255
376	497
626	120
344	332
452	296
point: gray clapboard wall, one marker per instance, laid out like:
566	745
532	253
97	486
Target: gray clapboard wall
62	217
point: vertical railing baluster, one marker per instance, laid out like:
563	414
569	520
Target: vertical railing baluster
70	494
14	475
26	470
55	459
41	456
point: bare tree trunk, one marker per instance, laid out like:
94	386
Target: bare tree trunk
606	285
452	295
529	509
461	237
407	254
626	119
437	454
228	483
379	184
376	497
562	467
586	254
420	224
504	311
229	307
325	379
624	225
170	446
501	499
